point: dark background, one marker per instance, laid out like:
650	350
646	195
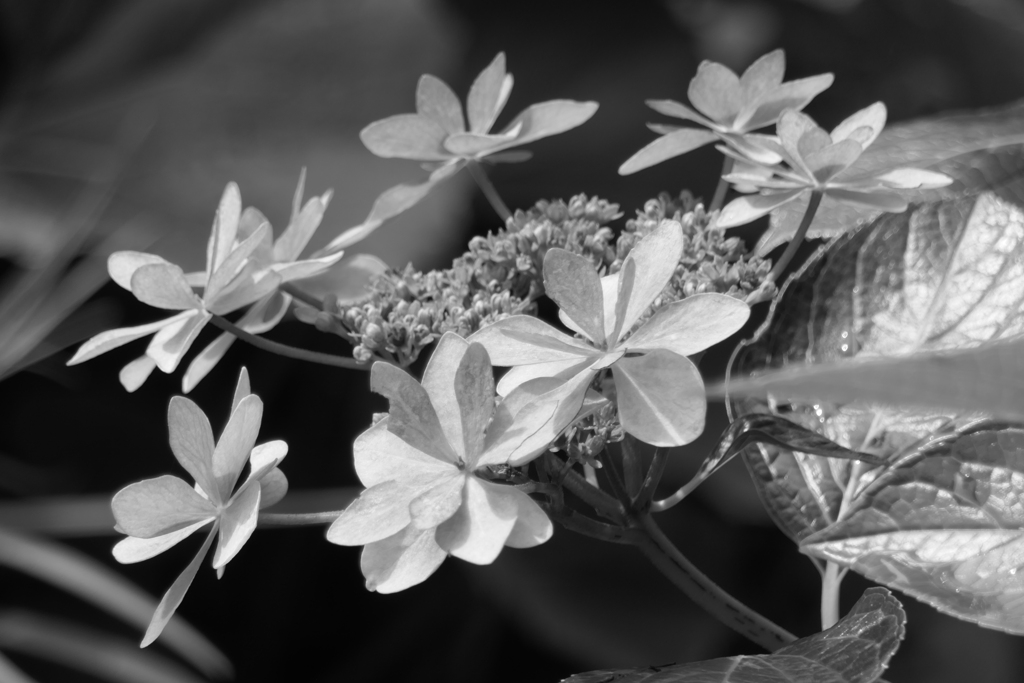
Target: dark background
252	92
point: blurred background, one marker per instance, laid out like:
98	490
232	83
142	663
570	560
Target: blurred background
120	124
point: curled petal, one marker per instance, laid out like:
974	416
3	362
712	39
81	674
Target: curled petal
475	144
171	343
122	265
532	525
913	179
680	111
265	457
131	550
133	375
273	487
557	369
862	127
405	559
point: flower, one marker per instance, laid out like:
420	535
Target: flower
732	107
426	464
233	279
281	257
659	391
159	513
437	134
814	158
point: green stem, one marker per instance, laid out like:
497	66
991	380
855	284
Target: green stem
653	543
831	579
632	466
288	351
723	185
304	297
654	473
592	496
487	187
278	520
798	237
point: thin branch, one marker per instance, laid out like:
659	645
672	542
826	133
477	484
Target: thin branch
798	237
487	187
288	351
653	543
278	520
304	297
654	473
723	185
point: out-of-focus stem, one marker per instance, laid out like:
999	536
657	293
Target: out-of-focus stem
831	579
277	520
487	187
723	185
798	237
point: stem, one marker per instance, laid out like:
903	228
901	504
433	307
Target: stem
653	543
278	520
831	579
632	466
798	237
288	351
723	185
654	472
586	526
304	297
593	496
487	187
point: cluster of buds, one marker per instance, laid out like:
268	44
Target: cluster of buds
710	262
500	275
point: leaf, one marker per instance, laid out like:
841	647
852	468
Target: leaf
943	524
927	287
856	650
89	580
982	150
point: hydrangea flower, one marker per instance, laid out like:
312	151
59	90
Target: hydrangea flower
281	257
159	513
659	391
814	158
438	135
425	466
730	107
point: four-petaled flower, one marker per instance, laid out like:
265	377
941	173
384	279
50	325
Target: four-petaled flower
659	391
732	107
157	514
243	266
425	466
437	133
814	158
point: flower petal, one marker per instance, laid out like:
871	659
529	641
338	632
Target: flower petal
532	525
397	562
411	417
191	439
790	95
863	126
236	443
300	270
232	266
406	136
350	280
478	531
225	229
131	550
661	398
691	325
111	339
883	200
273	487
122	265
913	179
556	369
438	503
174	595
474	391
379	512
762	77
572	282
655	257
249	286
206	360
154	507
763	149
133	375
478	144
163	285
751	207
436	101
171	343
237	522
793	127
300	229
715	92
680	111
546	119
381	456
265	457
439	383
666	147
487	95
828	161
524	339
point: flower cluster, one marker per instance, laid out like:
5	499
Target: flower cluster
500	275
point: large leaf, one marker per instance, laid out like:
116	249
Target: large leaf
980	150
943	524
856	650
943	277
